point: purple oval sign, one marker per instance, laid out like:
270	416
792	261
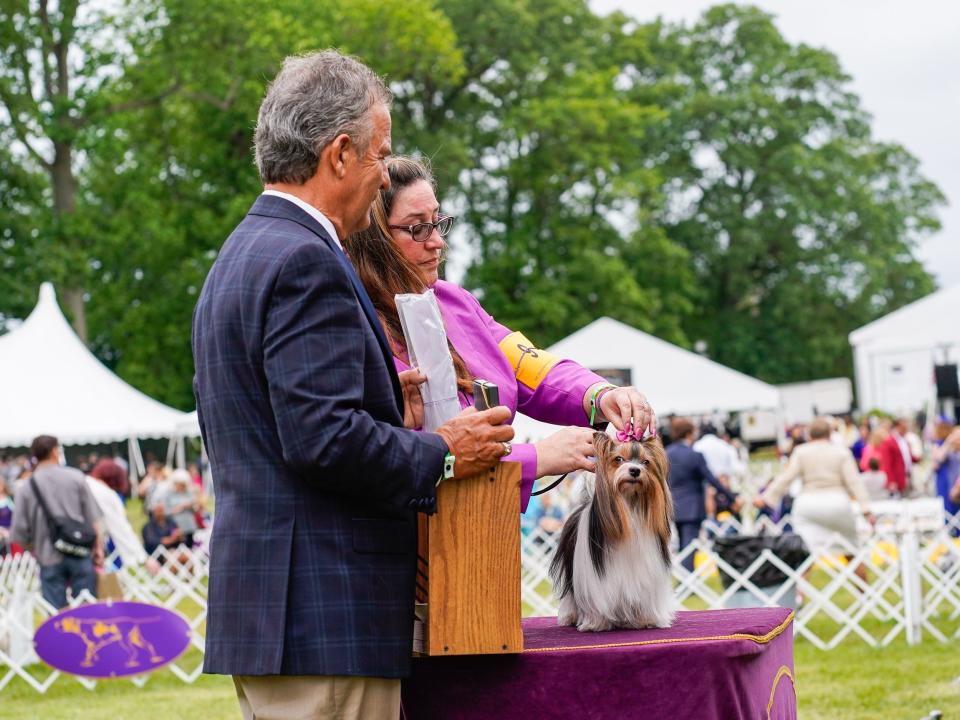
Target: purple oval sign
112	639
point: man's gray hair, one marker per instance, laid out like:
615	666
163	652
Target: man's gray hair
313	99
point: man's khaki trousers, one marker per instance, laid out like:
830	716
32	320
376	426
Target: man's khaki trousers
317	697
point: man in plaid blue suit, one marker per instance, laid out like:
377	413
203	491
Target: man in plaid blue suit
313	552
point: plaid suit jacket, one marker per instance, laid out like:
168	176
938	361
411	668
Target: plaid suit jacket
313	552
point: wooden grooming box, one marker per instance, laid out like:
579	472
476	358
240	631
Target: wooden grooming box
468	567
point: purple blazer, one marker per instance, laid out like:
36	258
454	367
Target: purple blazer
558	398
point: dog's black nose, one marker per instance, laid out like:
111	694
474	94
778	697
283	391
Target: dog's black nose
635	472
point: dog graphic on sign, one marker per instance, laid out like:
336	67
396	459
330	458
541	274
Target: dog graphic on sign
98	633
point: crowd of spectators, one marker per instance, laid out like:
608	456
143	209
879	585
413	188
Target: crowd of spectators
96	491
889	453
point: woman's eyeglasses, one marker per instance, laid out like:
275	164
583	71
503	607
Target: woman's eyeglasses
421	231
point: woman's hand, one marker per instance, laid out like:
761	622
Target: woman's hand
624	405
566	450
410	382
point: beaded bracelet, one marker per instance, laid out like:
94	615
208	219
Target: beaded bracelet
595	399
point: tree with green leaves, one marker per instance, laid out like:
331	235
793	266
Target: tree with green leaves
800	224
706	182
553	178
55	59
161	162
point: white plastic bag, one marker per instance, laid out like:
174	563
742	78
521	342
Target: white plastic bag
427	346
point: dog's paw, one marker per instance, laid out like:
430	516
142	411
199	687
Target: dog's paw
594	624
664	620
567	613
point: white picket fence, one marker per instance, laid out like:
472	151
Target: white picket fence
913	591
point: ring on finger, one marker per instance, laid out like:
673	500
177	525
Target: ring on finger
507	447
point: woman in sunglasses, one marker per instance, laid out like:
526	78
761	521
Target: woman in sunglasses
401	252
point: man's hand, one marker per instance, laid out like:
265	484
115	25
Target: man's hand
477	439
410	382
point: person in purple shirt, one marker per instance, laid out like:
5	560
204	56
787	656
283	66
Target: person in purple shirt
401	252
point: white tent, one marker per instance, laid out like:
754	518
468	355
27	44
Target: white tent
894	356
50	383
675	381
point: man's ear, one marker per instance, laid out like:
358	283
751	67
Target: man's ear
338	153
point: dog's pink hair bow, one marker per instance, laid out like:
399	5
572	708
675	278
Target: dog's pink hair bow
628	433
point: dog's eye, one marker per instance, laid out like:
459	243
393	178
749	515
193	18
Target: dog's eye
618	460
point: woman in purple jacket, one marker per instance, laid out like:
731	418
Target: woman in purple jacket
401	252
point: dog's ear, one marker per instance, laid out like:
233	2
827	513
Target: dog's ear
602	444
657	456
660	503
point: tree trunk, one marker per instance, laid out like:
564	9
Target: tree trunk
64	203
73	299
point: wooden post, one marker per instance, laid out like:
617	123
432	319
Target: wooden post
468	572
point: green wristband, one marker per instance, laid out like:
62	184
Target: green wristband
595	399
448	462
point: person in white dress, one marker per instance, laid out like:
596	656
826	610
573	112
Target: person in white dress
823	511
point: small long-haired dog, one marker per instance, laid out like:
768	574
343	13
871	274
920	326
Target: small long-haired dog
612	566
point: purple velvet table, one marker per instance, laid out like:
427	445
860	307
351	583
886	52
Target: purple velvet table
711	665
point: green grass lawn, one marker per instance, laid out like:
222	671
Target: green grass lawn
164	696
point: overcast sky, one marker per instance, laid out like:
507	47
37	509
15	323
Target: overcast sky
904	58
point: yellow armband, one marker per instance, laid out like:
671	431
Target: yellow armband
530	364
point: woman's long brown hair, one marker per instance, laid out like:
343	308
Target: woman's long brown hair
381	267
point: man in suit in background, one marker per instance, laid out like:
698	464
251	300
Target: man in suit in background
313	551
688	473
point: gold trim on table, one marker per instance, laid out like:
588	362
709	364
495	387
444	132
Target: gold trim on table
784	670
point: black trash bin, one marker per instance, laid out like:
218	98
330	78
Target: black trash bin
740	551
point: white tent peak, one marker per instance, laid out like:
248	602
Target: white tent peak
47	295
52	384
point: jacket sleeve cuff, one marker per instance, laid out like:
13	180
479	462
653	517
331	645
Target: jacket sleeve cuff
434	453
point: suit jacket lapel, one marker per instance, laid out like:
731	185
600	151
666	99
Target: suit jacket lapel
273	206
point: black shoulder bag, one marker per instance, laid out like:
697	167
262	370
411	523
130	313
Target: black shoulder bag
71	537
